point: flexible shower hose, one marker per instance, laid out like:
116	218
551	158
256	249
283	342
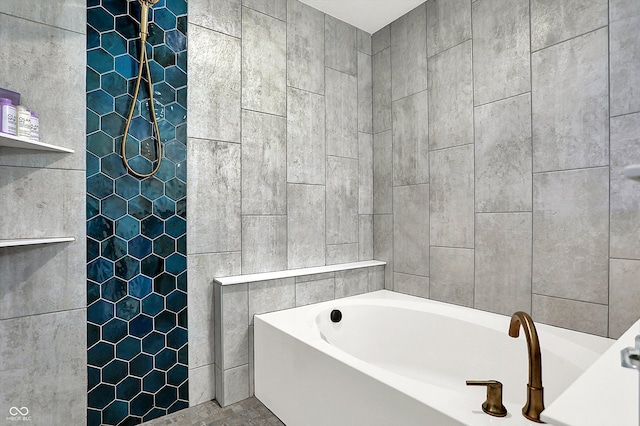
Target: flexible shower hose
144	64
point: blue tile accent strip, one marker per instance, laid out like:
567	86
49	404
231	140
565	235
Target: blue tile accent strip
136	229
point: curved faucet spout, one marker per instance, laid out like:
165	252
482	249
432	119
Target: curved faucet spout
535	401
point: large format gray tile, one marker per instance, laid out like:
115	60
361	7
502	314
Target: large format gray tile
503	262
572	314
624	56
275	8
503	155
44	366
202	384
27	278
214	85
203	268
305	47
341	253
413	285
571	110
409	53
365	93
315	291
213	174
452	194
269	296
451	98
451	277
624	298
556	21
264	63
365	173
264	244
341	102
365	237
223	16
381	39
352	282
411	229
34	208
233	386
376	278
411	140
340	45
381	65
570	234
43	47
383	245
342	200
231	311
65	14
305	137
264	163
363	41
625	197
305	226
382	173
448	24
501	65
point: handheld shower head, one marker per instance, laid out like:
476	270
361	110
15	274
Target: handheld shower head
144	66
144	17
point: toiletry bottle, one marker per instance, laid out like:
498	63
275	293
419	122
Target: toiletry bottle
7	117
24	122
35	127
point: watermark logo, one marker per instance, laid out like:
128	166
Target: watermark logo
18	414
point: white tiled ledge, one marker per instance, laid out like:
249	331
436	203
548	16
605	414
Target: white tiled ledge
34	241
25	143
266	276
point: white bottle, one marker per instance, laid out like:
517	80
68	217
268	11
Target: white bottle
7	117
24	122
35	127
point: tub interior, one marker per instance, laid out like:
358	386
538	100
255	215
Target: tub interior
446	351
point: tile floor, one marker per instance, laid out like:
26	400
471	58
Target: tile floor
249	412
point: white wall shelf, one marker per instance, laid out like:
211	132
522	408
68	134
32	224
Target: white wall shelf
34	241
21	142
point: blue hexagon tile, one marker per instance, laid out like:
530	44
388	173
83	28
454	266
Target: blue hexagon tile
136	228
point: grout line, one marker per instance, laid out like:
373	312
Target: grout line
263	13
568	299
216	31
570	170
559	42
624	114
473	130
609	174
47	24
264	112
242	38
452	47
531	271
505	98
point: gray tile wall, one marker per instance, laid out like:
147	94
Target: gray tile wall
43	304
531	115
281	156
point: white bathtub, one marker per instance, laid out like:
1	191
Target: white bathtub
400	360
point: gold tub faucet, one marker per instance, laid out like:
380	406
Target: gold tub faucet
535	402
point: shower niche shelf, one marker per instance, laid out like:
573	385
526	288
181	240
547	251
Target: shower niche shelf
24	143
34	241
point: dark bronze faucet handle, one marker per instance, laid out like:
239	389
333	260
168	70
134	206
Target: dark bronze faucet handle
493	405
